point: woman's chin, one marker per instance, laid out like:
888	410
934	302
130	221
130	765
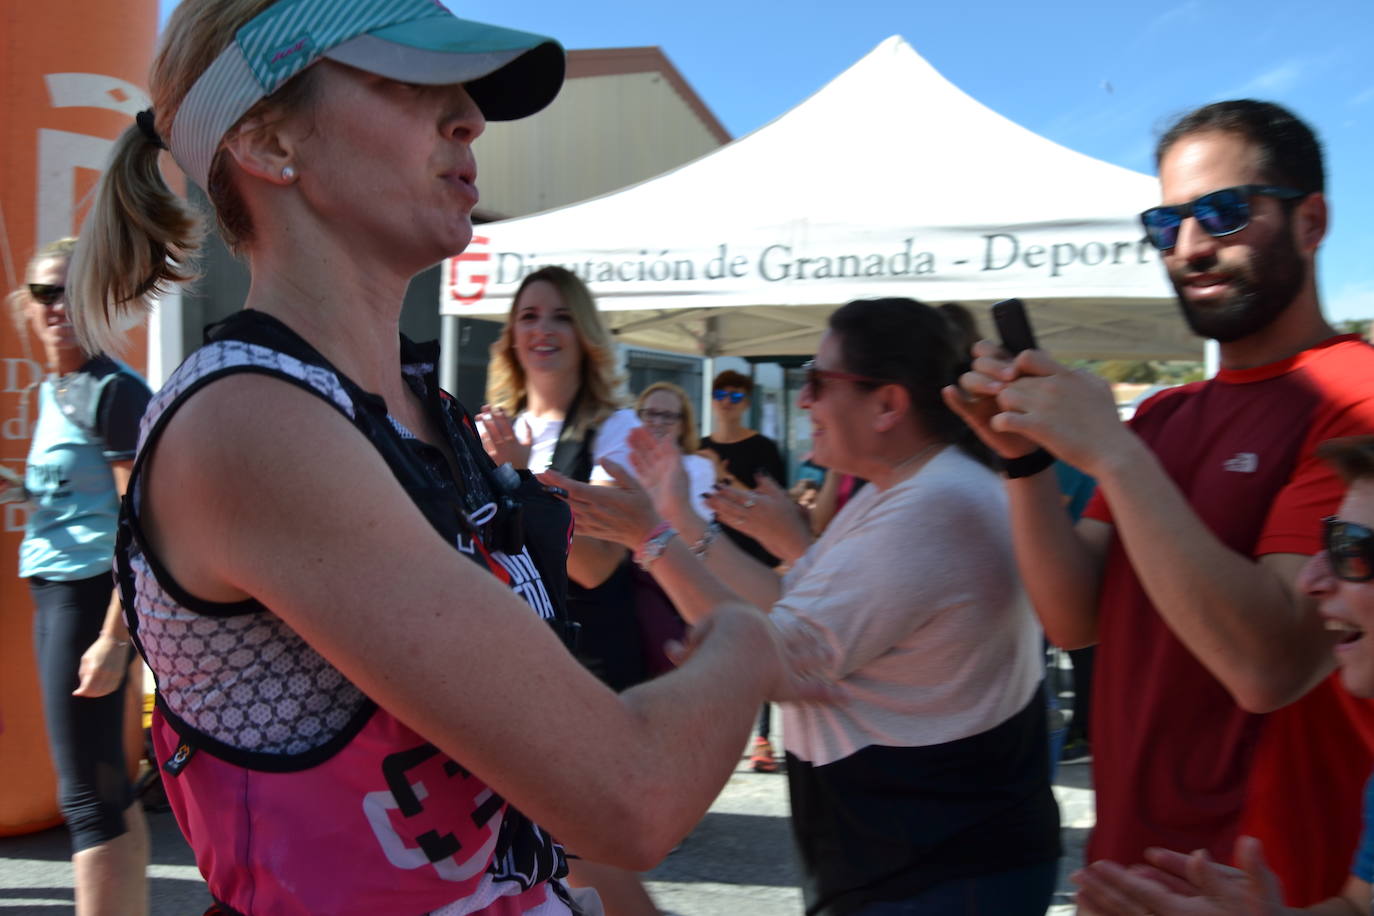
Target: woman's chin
553	369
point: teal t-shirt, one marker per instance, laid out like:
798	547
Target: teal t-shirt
85	421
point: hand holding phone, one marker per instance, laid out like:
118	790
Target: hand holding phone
1013	326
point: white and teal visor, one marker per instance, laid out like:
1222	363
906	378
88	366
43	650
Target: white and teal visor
509	74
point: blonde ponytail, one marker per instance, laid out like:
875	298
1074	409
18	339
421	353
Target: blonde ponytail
139	238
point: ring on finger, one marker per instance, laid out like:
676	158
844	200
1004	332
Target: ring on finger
749	502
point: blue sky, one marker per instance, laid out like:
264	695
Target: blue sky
1100	77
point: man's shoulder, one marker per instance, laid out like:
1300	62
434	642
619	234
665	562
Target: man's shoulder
1347	358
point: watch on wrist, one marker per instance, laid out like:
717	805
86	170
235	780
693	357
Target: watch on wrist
653	546
1027	465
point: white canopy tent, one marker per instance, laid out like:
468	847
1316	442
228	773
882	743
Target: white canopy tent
889	181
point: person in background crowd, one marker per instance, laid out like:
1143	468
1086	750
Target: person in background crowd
746	454
1213	710
1341	580
835	491
1076	489
666	411
76	473
351	612
927	791
554	400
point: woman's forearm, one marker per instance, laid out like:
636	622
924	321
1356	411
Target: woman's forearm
591	560
726	564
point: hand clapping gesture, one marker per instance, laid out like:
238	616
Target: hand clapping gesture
767	514
503	439
1175	884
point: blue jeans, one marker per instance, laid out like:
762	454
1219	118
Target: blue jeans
1019	892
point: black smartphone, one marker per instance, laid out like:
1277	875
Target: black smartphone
1013	326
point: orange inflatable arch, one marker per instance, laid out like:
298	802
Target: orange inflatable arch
71	80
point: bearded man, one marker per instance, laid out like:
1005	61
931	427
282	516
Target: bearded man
1214	710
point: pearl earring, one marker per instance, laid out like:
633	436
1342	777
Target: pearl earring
288	173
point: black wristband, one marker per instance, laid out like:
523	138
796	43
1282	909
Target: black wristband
1027	465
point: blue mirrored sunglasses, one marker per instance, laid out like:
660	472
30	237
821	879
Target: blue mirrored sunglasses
734	397
1219	213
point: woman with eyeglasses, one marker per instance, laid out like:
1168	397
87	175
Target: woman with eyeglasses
77	470
362	705
927	791
666	412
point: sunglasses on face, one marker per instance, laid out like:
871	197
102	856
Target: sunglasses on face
1349	549
46	293
734	397
659	417
1219	213
816	378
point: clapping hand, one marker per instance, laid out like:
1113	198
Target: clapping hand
659	467
767	514
623	514
1175	884
504	442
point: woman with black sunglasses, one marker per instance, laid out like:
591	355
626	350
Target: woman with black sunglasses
927	792
77	469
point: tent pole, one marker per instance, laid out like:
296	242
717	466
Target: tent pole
708	372
1211	358
165	337
710	347
449	356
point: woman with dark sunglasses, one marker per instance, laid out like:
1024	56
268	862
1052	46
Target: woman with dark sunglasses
1340	579
746	454
927	791
77	470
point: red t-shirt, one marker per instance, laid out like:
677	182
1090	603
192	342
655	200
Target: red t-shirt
1176	763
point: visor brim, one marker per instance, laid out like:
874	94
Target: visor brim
509	74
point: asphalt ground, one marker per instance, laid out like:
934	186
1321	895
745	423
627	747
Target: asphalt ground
738	861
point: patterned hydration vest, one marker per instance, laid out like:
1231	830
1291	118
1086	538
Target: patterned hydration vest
298	793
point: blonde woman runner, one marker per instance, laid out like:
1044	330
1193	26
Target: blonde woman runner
361	706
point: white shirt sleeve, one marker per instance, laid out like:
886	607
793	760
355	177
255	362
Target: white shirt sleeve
701	477
611	442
